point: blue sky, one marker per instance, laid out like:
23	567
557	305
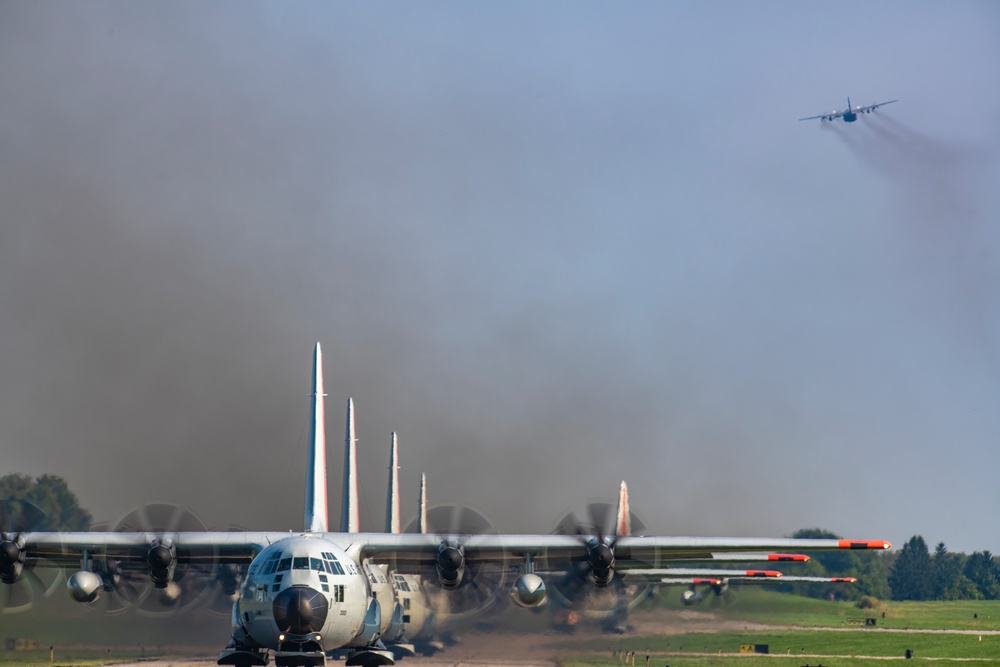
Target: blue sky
553	245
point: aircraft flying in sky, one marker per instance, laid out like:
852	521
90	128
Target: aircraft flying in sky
313	595
851	113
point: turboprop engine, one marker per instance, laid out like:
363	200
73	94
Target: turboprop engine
162	559
528	590
450	564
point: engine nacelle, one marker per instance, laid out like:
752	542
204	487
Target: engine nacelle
601	558
85	587
528	590
162	559
11	557
450	564
691	597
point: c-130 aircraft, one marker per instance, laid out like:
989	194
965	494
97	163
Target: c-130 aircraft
308	596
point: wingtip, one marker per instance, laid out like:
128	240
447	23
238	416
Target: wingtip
864	544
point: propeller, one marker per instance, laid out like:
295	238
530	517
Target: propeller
157	584
455	587
22	585
590	580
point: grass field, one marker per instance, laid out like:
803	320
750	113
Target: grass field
759	605
807	631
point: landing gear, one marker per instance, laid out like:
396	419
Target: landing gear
371	657
242	657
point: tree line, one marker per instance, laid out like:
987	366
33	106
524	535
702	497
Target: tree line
912	573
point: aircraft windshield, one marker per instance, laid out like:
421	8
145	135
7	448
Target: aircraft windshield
285	565
300	563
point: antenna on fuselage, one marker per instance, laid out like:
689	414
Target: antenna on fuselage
349	521
392	499
316	520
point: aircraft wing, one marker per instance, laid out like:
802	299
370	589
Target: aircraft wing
872	107
241	547
787	579
666	574
69	548
734	557
827	116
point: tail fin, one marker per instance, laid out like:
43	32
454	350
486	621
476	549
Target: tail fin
349	521
392	500
848	102
422	511
316	513
623	519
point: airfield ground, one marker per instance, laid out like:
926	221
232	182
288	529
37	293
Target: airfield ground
799	632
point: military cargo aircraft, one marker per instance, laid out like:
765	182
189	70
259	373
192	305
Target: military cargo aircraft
850	114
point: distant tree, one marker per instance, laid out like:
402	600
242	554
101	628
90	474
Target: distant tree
912	575
947	567
872	575
962	589
983	572
43	503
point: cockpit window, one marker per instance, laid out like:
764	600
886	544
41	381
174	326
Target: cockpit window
271	565
316	564
300	563
285	565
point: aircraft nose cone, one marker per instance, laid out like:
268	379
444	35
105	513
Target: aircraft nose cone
299	610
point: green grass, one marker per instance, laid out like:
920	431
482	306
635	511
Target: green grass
810	642
758	605
760	661
809	631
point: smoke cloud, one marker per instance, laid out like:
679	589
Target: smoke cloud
539	244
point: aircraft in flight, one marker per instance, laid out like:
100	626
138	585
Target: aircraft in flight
311	595
850	114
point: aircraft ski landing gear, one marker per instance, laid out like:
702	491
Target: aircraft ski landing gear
239	657
299	659
371	657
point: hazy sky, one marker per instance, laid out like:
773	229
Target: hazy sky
553	245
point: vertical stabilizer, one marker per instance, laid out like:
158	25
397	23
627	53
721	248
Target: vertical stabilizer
316	513
392	499
623	520
349	522
422	510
